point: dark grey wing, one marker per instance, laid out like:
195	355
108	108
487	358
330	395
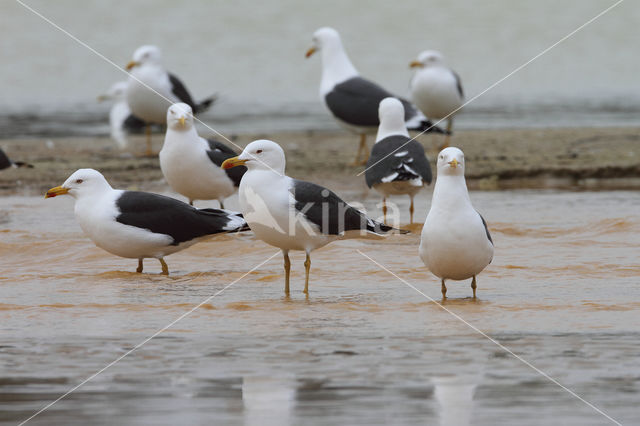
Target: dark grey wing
486	228
397	158
356	100
333	216
179	89
458	84
165	215
218	152
5	163
132	123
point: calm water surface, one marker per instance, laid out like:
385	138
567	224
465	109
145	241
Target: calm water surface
364	348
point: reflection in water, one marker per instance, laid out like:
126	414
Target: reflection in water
268	400
455	396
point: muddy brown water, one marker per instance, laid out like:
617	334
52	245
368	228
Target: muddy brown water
364	348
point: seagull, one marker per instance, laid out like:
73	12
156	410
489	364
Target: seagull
191	164
120	118
151	89
352	100
292	214
139	225
436	89
397	164
455	242
6	162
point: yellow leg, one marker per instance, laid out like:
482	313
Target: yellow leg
474	286
361	147
384	209
444	290
165	268
139	270
447	138
287	271
365	150
307	267
411	210
147	131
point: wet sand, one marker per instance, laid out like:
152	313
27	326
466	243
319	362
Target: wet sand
591	158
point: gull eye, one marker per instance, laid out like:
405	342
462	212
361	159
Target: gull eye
173	112
259	151
79	181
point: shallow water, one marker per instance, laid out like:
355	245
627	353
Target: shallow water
364	348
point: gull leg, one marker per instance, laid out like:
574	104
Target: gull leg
474	286
444	290
139	270
165	268
147	131
447	137
221	204
365	150
191	202
287	270
307	267
361	147
411	210
384	209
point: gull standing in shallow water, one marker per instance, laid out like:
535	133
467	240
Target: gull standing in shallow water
292	214
352	100
455	242
140	225
436	89
397	164
191	164
151	89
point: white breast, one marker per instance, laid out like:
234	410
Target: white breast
144	102
188	169
434	91
454	244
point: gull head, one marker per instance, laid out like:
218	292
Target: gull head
180	117
259	155
391	114
451	162
115	93
82	182
147	54
324	37
428	58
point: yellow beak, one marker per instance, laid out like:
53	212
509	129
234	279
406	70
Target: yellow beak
132	64
453	163
310	52
182	120
58	190
232	162
415	64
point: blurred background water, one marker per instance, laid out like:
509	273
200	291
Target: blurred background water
252	54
